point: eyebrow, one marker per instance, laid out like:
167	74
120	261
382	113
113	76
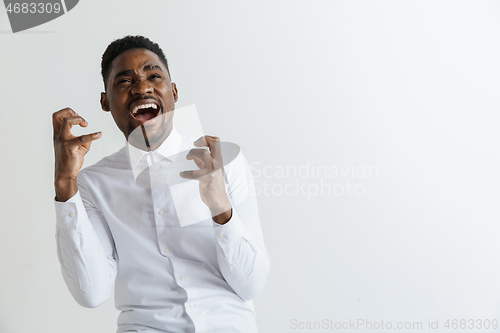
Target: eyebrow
146	67
149	67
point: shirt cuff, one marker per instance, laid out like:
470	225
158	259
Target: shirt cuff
67	212
229	232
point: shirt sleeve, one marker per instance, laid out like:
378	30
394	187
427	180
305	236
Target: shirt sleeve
241	255
85	249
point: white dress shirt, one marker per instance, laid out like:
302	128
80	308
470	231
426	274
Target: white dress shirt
201	277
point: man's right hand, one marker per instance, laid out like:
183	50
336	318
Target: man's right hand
69	151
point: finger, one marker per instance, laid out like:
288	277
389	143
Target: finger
201	142
199	163
58	116
202	155
213	143
67	123
84	139
192	174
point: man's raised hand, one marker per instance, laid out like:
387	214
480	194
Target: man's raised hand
211	177
69	151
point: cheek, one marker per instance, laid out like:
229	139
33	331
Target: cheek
120	120
165	91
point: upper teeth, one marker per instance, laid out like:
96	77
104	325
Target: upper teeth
144	106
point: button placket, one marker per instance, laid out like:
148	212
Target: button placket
180	274
163	212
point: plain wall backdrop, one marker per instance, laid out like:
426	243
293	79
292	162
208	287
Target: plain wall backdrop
372	127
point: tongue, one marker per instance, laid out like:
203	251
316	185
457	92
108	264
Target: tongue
145	116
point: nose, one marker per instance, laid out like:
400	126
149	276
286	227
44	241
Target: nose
141	87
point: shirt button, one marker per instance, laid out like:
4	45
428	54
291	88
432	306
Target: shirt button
77	252
233	264
71	214
167	250
155	176
182	278
160	212
221	236
191	305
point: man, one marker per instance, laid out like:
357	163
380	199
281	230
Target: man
170	276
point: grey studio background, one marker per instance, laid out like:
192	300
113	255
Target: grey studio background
395	101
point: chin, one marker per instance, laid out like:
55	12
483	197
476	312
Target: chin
150	134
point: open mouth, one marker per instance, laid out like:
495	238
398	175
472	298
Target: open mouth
145	112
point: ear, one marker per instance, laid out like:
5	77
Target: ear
174	91
104	102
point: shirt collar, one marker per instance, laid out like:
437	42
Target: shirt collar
169	147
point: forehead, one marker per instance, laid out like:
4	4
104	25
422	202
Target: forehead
134	59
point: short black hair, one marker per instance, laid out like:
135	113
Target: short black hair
126	43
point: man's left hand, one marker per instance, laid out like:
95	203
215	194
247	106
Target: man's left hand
211	177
